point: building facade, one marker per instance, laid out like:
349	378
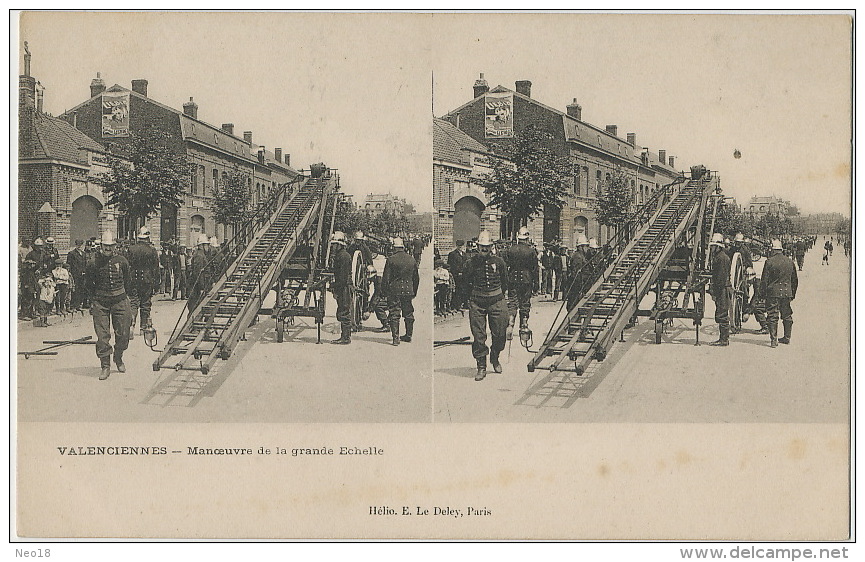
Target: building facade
57	166
495	116
111	115
461	206
378	202
758	207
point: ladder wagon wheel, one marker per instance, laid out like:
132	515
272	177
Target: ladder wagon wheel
280	329
358	288
659	327
739	282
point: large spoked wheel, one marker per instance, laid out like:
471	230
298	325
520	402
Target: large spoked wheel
359	289
739	296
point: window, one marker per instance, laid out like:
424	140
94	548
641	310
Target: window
577	182
215	181
199	187
215	138
193	184
598	181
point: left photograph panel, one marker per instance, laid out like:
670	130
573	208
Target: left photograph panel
223	218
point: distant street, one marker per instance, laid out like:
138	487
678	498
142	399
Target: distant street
264	381
806	381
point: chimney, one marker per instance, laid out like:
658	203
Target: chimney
190	108
575	110
277	154
247	136
644	156
613	130
140	87
97	86
228	128
288	160
632	139
672	161
261	155
27	60
481	87
40	95
524	87
662	156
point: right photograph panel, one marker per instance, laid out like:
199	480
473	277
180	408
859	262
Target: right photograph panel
642	218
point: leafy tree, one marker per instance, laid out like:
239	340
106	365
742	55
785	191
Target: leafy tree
770	226
613	204
844	227
148	175
526	177
730	220
231	199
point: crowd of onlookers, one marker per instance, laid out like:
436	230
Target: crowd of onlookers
48	284
556	270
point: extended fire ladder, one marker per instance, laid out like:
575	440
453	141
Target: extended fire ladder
588	330
263	248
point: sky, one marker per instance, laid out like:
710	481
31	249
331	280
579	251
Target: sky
344	89
357	91
777	88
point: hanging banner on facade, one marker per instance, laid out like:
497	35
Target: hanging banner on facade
115	114
499	116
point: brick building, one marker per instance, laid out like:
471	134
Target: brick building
497	115
460	203
56	167
111	115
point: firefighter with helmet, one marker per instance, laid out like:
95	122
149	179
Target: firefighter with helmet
144	271
341	287
487	284
109	281
522	262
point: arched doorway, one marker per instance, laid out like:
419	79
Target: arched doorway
467	218
196	227
84	223
581	226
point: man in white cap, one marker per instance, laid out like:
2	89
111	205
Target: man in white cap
522	262
144	268
341	286
577	272
109	281
779	283
400	282
487	282
721	287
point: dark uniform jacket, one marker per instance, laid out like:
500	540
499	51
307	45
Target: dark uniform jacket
341	269
144	262
487	276
108	279
779	277
522	262
457	261
720	272
400	277
576	262
800	247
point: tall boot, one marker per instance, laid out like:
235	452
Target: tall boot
345	335
494	361
409	329
394	332
788	329
482	369
773	334
106	367
118	360
723	338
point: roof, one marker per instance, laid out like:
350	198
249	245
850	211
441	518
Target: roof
214	136
58	140
576	130
450	144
